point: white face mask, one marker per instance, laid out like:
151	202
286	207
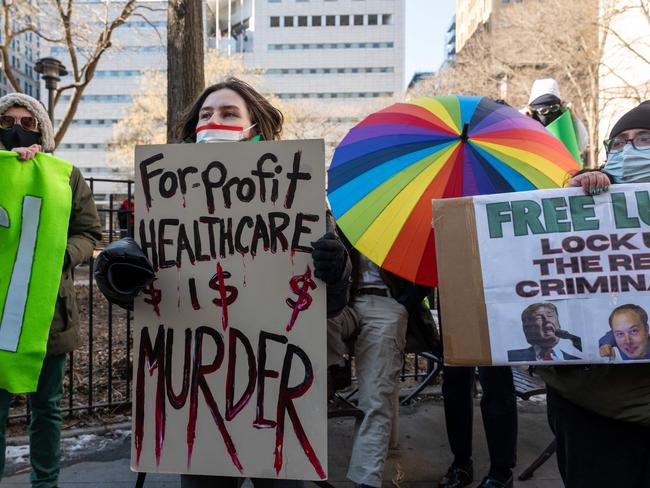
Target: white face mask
221	133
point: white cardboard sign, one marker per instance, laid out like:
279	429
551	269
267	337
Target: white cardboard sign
229	341
565	273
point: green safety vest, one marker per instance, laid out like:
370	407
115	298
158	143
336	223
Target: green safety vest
35	202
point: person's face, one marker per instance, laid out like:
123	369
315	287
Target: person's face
545	114
540	327
226	107
630	333
625	136
22	117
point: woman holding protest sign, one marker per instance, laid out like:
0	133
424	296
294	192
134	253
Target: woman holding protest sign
43	199
229	111
600	414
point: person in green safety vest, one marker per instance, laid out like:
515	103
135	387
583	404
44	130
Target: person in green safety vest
547	107
64	230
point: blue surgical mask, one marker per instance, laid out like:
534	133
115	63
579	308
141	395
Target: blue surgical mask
629	166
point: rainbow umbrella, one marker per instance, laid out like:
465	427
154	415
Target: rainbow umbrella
389	167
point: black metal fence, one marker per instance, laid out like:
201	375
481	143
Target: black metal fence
98	377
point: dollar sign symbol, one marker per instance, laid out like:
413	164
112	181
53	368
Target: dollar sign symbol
300	285
155	296
227	294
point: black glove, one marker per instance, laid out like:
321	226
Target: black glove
330	258
122	271
413	296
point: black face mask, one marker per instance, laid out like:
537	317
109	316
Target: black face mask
548	118
18	137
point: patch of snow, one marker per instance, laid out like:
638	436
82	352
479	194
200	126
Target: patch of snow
17	454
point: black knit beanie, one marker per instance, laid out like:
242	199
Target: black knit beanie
637	118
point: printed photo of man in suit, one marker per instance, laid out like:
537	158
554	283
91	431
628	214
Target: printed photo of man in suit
541	324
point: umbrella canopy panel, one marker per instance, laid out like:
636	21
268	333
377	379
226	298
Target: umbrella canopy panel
389	167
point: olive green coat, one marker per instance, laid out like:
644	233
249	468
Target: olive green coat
83	233
618	391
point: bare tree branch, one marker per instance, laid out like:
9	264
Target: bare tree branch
69	24
521	46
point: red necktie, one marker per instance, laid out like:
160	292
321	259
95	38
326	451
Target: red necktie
546	356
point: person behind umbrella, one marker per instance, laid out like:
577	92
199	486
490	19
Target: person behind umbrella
25	129
546	105
499	414
244	115
600	415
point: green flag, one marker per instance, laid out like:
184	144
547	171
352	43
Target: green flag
563	129
35	202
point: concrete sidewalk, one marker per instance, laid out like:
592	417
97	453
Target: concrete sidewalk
421	459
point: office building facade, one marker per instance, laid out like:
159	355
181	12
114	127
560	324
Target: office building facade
321	50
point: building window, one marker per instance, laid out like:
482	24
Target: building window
330	20
275	22
288	21
372	19
358	20
386	19
316	20
101	98
344	20
275	1
302	21
332	45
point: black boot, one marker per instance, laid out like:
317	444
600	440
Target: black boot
458	476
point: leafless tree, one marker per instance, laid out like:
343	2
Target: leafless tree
552	38
330	121
83	30
185	75
145	121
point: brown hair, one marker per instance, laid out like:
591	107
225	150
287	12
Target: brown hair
528	311
630	307
268	118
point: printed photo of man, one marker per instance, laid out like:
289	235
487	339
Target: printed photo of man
628	333
541	324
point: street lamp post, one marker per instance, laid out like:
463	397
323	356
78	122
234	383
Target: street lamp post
51	70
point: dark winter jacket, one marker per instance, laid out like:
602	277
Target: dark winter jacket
83	233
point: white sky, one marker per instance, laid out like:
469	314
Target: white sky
426	25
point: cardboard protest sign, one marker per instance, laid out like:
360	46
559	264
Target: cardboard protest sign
548	276
229	341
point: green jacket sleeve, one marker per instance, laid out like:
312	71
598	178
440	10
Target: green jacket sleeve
84	230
